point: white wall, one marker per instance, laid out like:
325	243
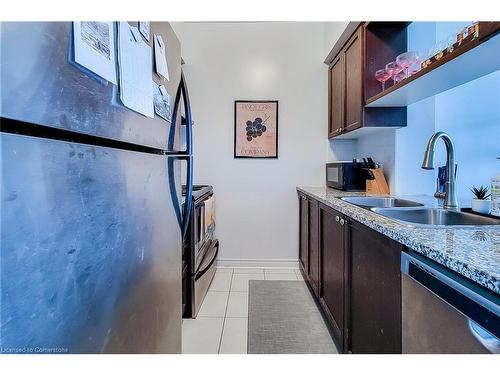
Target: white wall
257	209
332	32
341	149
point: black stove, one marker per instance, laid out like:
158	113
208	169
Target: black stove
199	191
200	250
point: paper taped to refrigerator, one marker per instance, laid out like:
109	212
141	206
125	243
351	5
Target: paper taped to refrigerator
135	65
162	102
161	57
94	44
144	28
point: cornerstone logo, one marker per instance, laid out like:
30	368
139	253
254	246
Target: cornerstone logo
32	350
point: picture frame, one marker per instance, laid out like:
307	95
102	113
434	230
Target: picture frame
256	129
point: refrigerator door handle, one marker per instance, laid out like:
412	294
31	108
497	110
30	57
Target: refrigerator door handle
189	193
182	92
187	155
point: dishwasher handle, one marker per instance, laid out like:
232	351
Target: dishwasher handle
485	338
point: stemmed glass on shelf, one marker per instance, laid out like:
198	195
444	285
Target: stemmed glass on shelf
393	69
398	69
407	59
382	76
399	76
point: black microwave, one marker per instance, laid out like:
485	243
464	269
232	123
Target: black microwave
345	175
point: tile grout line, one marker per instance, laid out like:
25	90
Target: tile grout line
225	312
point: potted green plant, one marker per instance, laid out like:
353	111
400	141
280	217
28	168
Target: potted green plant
480	203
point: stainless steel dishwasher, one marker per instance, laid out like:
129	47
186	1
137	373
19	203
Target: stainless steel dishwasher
444	312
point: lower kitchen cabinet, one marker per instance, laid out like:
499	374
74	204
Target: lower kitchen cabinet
314	271
375	291
354	272
333	272
304	233
309	241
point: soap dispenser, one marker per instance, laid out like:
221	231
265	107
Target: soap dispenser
495	195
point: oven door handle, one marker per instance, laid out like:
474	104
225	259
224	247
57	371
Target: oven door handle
214	248
202	222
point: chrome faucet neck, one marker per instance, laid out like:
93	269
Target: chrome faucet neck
450	196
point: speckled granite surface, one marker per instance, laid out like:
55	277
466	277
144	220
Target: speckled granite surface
474	252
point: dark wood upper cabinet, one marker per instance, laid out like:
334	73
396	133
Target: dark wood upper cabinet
365	47
313	244
347	79
333	275
374	292
353	82
336	97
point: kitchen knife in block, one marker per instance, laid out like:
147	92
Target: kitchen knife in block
377	186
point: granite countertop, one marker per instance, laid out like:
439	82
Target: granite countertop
472	251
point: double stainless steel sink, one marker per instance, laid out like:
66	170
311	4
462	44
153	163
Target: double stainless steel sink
383	202
435	216
414	213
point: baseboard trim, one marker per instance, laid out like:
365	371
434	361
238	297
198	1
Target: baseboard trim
257	263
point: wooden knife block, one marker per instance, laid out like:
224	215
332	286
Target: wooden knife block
378	186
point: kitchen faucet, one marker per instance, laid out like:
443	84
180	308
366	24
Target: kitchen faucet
449	195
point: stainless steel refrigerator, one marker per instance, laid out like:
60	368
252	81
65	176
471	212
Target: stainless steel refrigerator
91	213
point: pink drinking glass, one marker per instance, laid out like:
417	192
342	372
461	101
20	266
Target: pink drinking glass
416	66
407	59
393	68
399	76
381	75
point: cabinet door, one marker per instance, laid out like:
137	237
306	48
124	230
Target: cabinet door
375	292
303	233
336	97
353	82
313	244
332	285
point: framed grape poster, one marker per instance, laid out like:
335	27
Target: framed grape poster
256	129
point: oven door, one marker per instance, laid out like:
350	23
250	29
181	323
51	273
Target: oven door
204	228
204	276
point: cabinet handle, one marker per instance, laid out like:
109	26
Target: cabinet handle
342	221
337	219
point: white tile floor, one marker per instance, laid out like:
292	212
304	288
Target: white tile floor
221	325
